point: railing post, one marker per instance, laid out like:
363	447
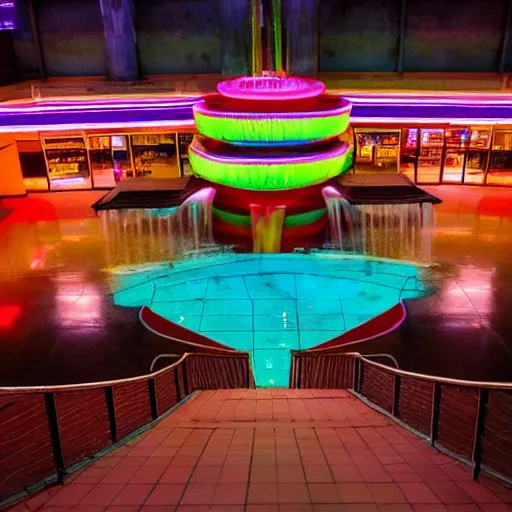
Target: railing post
177	384
359	383
247	372
397	382
355	378
152	398
111	409
186	390
299	373
53	424
434	418
483	399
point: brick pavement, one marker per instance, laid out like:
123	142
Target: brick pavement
274	451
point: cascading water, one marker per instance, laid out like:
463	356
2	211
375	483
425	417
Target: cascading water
383	230
148	235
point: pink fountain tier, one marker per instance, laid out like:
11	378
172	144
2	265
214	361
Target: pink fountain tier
268	145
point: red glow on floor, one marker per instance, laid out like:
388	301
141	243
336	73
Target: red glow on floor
8	315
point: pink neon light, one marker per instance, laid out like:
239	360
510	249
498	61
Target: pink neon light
139	103
338	150
330	192
203	195
344	108
271	88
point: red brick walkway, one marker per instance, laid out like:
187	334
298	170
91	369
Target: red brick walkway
274	451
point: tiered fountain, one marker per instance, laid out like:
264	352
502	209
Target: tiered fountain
269	144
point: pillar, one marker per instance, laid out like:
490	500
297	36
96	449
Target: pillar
235	36
120	39
301	21
11	178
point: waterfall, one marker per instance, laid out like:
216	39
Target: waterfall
384	230
134	236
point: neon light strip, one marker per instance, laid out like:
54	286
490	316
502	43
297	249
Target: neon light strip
95	126
270	174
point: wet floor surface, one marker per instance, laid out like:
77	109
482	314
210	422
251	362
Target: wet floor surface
58	323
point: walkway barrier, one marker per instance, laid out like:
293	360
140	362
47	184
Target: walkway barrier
44	431
471	421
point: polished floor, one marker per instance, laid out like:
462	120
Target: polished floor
274	451
59	324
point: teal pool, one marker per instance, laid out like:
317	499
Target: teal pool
269	304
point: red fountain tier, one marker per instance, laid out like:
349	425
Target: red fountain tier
268	144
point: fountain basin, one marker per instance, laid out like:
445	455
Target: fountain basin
252	122
271	88
275	171
270	304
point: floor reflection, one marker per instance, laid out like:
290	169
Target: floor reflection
58	323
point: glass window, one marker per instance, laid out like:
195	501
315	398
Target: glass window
408	149
500	168
431	149
478	155
102	163
184	140
377	150
68	166
155	155
457	144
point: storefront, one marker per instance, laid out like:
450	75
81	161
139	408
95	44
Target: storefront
473	155
80	161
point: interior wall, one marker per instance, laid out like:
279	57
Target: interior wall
454	35
359	35
178	36
72	37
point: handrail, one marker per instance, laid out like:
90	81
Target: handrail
389	356
157	358
70	424
405	373
105	383
466	419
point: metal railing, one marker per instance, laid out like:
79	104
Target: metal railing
44	431
472	421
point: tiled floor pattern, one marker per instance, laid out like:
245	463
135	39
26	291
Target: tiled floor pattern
274	451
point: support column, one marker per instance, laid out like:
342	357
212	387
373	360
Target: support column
235	16
120	39
301	20
11	178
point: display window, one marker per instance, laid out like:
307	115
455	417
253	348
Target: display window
184	140
102	162
67	161
155	155
478	155
500	168
377	150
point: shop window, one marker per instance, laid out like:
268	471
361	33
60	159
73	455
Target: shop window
500	168
377	151
184	141
68	166
430	142
408	152
102	162
478	155
456	147
155	155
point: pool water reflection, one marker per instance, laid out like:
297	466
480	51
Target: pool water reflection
269	304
